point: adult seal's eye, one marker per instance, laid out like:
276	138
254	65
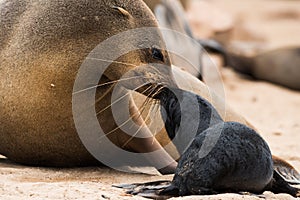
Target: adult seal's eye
157	54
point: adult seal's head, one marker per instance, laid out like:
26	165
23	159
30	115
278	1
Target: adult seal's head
42	46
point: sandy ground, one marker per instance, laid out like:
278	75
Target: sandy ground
272	109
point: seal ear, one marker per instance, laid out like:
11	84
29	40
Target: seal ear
124	12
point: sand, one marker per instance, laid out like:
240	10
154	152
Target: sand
274	110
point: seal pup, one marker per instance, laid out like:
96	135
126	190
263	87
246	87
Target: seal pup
279	66
222	157
240	161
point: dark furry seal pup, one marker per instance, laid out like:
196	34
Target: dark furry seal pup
220	156
223	156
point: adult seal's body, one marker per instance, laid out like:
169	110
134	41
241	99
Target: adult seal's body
42	46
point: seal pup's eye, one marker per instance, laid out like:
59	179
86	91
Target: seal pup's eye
172	104
157	54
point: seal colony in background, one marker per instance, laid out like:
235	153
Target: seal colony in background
279	66
43	45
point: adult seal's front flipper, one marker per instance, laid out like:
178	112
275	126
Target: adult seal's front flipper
171	15
185	50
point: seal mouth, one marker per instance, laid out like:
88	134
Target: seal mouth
152	79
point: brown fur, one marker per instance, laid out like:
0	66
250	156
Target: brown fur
280	66
42	46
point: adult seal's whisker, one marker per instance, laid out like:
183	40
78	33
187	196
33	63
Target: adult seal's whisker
115	101
113	61
107	83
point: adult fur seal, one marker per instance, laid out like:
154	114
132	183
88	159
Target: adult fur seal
280	66
42	46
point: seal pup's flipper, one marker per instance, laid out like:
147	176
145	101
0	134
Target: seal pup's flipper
286	171
150	190
279	185
173	191
150	185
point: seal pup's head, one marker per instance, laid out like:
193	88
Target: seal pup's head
185	115
171	100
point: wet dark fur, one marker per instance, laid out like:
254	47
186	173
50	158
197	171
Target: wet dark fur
240	160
